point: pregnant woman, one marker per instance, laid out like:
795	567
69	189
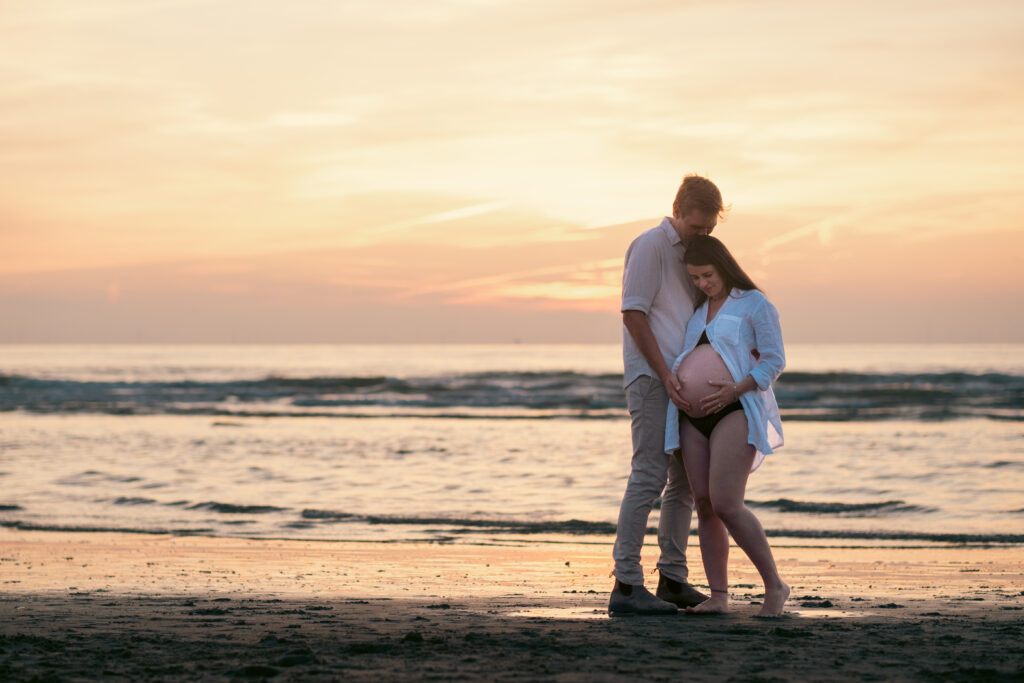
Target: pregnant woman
732	354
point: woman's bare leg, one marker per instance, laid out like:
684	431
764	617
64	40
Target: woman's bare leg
730	461
714	538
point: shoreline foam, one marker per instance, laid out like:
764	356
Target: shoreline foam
490	532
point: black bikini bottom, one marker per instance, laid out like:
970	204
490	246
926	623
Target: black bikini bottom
705	425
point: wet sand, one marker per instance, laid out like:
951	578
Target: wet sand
85	606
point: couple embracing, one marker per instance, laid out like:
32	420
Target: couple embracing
701	349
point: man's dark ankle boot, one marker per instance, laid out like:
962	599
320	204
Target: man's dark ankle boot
627	600
680	594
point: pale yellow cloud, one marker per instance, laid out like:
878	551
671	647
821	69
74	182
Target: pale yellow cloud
483	286
443	217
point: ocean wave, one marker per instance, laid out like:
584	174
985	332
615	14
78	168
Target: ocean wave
572	526
1004	463
833	396
102	529
133	501
467	528
231	509
842	509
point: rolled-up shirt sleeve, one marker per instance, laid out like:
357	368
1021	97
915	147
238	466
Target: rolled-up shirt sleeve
641	277
768	337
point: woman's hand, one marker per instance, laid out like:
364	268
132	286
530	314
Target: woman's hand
727	393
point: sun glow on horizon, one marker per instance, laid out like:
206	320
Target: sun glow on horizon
497	154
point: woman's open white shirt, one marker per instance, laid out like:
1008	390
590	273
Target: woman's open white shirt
745	322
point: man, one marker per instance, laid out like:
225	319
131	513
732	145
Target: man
657	301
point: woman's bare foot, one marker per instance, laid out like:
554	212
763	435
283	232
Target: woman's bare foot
774	600
718	603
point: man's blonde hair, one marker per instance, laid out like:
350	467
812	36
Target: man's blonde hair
697	192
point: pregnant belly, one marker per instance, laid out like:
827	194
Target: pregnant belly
697	369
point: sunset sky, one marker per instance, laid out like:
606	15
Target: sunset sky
473	170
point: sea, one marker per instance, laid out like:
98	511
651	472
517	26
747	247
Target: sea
900	444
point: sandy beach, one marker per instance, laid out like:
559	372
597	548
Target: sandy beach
84	606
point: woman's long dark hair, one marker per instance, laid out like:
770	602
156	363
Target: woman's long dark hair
704	250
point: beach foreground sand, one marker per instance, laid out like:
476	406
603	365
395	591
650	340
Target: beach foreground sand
83	606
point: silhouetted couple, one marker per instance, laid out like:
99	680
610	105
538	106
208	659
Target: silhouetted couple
701	349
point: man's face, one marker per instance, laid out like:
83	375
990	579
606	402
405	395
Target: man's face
695	222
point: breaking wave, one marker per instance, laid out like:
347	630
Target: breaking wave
831	396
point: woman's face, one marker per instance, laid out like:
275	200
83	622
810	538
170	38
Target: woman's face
707	280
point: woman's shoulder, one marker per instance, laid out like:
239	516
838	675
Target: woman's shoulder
755	303
751	297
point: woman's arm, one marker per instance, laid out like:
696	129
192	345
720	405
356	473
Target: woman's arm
771	360
768	341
